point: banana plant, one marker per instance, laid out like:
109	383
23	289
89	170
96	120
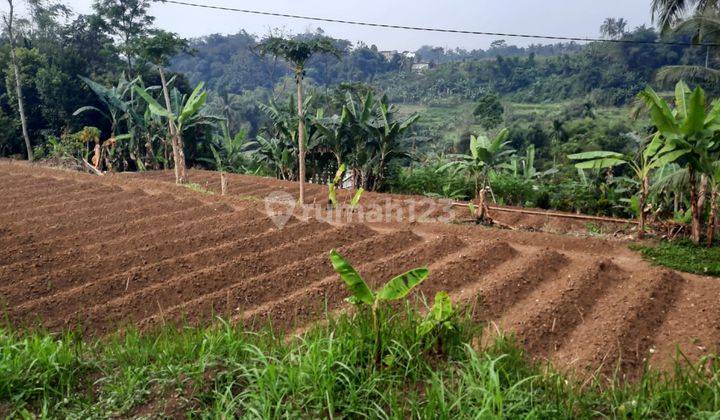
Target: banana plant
438	319
332	186
277	155
395	289
186	115
485	155
525	166
691	126
655	155
229	152
356	198
118	105
387	132
439	315
714	203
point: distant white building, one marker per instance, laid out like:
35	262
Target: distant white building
389	54
409	54
421	67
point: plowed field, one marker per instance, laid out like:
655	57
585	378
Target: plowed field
101	253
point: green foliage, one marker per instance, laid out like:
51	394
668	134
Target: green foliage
485	155
39	367
489	111
365	134
230	152
128	20
73	145
187	115
689	134
395	289
356	198
334	184
298	51
684	256
161	46
433	180
224	371
439	315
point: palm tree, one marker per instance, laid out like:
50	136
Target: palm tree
669	12
613	28
692	128
706	28
297	52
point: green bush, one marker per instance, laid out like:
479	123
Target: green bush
426	180
76	145
513	190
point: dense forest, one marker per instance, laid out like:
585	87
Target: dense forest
114	91
56	47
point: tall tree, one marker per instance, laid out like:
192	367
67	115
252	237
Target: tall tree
613	28
158	49
297	52
706	29
127	20
9	21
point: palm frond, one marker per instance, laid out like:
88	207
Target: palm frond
670	74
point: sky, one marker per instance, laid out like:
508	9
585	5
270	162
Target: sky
576	18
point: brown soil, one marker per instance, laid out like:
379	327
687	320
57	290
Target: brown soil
101	253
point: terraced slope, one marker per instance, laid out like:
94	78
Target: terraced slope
102	253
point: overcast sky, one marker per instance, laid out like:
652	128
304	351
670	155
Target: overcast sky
579	18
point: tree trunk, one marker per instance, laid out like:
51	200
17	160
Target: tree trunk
641	205
177	144
702	193
483	211
223	184
301	134
694	208
128	59
18	83
712	220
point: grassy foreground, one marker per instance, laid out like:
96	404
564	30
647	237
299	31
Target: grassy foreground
684	256
328	372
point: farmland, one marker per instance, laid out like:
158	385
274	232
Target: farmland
101	254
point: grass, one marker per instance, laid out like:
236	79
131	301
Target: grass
225	371
198	188
683	256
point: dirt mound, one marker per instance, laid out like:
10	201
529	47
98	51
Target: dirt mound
133	249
